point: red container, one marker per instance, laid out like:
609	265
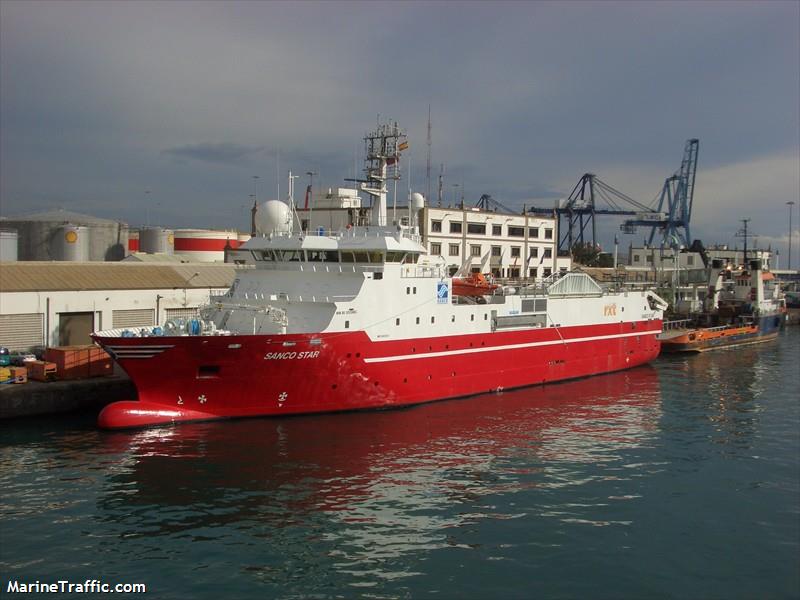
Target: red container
79	362
40	370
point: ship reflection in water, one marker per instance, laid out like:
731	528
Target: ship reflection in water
363	488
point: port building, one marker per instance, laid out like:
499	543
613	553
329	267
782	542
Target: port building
508	245
46	304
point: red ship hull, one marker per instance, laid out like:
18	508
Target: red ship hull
193	378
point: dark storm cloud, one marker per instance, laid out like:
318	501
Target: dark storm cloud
101	101
220	152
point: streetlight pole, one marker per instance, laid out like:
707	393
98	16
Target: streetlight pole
791	209
255	187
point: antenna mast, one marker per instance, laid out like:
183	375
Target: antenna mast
428	197
382	150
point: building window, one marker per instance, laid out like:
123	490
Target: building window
534	252
436	226
515	252
548	253
454	249
397	321
636	258
497	230
436	249
548	234
514	272
475	250
516	231
533	232
455	227
433	320
532	273
476	228
689	261
417	320
497	251
548	272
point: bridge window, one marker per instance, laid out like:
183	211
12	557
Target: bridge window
347	257
361	256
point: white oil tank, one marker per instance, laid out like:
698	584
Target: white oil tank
205	245
273	217
71	243
9	244
156	240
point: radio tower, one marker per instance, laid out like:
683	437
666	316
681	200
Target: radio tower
428	197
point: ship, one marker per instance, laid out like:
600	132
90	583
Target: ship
365	318
744	305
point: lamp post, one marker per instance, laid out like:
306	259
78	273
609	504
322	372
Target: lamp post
790	203
255	187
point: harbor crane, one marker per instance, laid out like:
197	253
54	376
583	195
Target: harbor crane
591	196
674	211
581	207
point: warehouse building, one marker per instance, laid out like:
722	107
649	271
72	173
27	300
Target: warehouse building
59	304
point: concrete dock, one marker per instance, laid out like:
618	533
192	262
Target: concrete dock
55	397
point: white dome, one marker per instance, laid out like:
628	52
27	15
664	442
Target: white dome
416	200
273	217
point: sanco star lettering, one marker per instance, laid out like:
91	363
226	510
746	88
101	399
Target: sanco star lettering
291	355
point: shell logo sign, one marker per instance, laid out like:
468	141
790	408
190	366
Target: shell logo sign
171	239
71	237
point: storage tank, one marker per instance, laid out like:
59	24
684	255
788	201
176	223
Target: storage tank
133	241
205	245
156	240
8	245
38	235
71	243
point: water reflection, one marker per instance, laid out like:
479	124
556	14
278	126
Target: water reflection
728	389
371	487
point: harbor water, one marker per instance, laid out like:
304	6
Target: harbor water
676	480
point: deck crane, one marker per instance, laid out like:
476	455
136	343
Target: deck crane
674	211
583	204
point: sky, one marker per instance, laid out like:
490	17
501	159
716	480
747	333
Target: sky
162	113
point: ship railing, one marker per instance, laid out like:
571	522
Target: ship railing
677	324
321	267
256	300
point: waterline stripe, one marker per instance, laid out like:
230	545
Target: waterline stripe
506	347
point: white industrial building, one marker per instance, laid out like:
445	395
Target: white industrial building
512	246
61	303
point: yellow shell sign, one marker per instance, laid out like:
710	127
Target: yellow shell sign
71	237
170	239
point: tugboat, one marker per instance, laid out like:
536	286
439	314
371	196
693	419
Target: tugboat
364	318
742	307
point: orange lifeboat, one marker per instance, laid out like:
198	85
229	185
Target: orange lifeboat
474	285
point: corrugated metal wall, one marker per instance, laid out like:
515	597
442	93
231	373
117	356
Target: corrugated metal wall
140	317
21	332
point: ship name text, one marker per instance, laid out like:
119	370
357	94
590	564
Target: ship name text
291	355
